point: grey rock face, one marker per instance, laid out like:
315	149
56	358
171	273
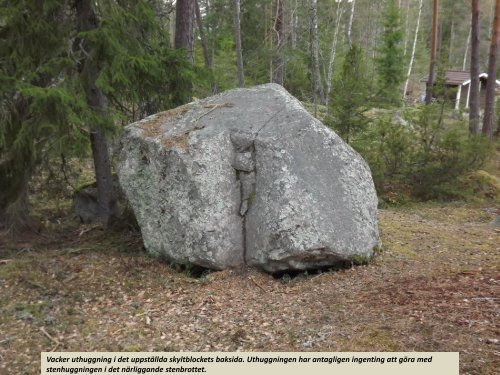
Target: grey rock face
248	176
87	208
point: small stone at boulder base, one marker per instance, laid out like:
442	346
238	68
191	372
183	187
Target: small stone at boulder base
248	177
87	207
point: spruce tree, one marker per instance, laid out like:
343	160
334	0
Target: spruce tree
389	64
351	97
44	97
38	106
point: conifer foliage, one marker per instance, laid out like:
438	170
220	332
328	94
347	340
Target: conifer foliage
389	64
38	106
50	70
348	110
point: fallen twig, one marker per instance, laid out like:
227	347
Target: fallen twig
256	283
213	107
86	230
147	312
485	298
54	340
117	331
7	340
71	251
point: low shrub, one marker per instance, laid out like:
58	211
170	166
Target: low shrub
426	157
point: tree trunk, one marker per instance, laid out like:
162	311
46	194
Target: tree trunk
412	58
452	40
184	39
333	51
474	70
432	66
351	18
279	29
317	86
268	20
237	37
489	110
171	22
407	26
204	45
89	70
184	17
464	65
374	35
293	26
14	208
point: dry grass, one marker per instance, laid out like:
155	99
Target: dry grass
434	288
152	128
180	141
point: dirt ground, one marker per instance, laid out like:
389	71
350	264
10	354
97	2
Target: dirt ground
435	287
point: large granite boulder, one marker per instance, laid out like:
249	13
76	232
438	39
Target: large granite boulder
248	177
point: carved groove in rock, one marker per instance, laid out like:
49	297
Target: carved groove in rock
244	165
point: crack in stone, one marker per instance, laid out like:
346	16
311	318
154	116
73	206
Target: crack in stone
268	121
244	165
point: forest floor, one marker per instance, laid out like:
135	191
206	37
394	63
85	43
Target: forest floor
435	287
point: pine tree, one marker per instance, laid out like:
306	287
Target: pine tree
389	64
492	70
433	55
184	27
474	70
279	30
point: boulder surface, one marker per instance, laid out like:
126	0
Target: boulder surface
248	177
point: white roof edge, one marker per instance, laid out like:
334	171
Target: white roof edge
485	75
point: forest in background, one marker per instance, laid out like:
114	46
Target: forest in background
73	73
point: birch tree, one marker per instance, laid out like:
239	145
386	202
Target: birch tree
333	51
412	58
467	44
351	18
317	86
